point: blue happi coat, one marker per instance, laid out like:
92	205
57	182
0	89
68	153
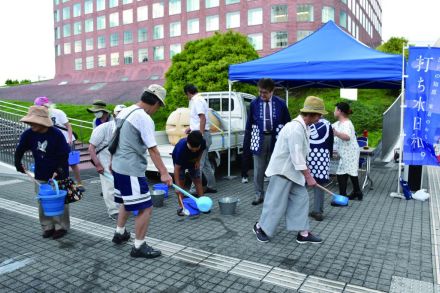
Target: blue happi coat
255	122
321	149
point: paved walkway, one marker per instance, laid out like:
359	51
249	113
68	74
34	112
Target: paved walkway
380	243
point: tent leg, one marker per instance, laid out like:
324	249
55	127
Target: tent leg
229	177
287	97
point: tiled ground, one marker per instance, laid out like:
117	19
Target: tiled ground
365	244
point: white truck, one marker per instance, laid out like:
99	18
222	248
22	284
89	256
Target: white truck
218	101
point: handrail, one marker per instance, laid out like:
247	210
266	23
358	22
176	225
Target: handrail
16	105
386	111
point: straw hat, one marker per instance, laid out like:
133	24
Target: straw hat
158	91
118	108
98	106
314	105
38	115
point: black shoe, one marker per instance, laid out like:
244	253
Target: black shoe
317	216
356	195
145	251
210	190
120	238
48	233
180	212
309	239
258	201
261	236
57	234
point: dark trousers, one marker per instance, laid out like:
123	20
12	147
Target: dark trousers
342	182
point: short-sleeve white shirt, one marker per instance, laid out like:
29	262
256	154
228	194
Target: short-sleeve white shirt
197	106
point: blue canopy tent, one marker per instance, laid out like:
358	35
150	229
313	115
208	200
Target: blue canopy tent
328	58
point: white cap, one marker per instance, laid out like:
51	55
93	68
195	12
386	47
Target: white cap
118	108
158	91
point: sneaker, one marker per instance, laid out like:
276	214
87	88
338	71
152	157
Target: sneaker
81	188
309	239
180	212
145	251
244	180
210	190
57	234
261	236
120	238
258	201
48	233
114	217
317	216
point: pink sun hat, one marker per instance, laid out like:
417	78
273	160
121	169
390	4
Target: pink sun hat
42	101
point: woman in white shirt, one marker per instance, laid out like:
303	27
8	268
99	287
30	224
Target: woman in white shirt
348	150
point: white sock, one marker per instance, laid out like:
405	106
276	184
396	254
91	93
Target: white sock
138	243
304	233
120	230
258	226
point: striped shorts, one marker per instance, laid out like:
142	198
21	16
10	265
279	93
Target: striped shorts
132	192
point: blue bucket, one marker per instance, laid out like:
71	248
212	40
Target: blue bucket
74	158
191	206
161	186
52	201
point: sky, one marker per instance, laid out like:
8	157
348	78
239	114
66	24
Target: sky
27	39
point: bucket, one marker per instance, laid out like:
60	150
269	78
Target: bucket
74	158
52	201
228	205
191	206
157	196
161	186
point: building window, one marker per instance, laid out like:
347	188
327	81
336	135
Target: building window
56	15
279	13
304	12
67	48
78	46
212	3
192	5
102	60
100	22
89	62
212	23
100	5
57	33
279	40
88	25
78	64
77	28
193	26
175	7
66	13
89	44
158	53
88	6
227	2
256	40
114	59
255	16
158	32
76	9
58	50
343	18
112	3
66	30
175	49
128	37
344	1
142	35
233	19
128	57
301	34
142	13
328	13
113	19
142	55
175	29
114	39
101	42
158	10
126	2
127	16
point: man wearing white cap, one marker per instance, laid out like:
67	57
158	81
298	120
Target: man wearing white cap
101	158
129	163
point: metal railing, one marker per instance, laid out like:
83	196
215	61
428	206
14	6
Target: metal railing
391	127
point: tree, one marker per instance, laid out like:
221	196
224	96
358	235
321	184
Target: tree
205	63
394	45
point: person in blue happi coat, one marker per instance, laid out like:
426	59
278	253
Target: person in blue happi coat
268	114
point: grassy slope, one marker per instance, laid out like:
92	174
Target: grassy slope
367	110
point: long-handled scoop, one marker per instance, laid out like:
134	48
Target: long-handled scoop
337	199
32	177
204	203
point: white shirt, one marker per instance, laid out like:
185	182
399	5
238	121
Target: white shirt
59	118
198	105
100	138
264	113
289	156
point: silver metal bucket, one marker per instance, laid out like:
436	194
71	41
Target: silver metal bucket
228	205
157	196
